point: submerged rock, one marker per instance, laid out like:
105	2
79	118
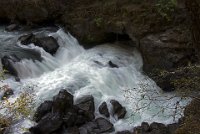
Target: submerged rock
72	130
8	64
8	92
12	27
103	109
112	65
118	110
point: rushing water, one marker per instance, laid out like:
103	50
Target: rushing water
84	72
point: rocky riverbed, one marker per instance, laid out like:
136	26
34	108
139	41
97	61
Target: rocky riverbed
165	33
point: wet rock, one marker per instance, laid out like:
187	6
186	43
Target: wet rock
155	128
12	27
89	127
8	64
145	126
158	128
50	123
118	110
8	92
70	119
112	65
73	130
124	132
43	109
104	125
83	130
103	109
166	85
27	39
87	105
121	113
172	128
80	120
62	102
17	79
49	44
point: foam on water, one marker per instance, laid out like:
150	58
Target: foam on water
87	72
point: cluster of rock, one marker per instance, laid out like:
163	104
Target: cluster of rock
156	128
62	115
49	44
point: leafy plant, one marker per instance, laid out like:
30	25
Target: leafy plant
98	21
166	7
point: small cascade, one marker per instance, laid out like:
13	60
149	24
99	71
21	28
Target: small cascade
108	71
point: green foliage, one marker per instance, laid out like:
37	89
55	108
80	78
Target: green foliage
98	21
4	123
22	106
166	8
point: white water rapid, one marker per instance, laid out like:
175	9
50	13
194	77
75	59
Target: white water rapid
87	72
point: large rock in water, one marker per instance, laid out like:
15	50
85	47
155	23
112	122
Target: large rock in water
103	109
104	125
61	115
50	123
62	102
49	44
87	105
8	64
42	110
118	110
155	128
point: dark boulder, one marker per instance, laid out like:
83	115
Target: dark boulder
8	92
89	128
27	39
166	83
145	126
104	126
172	128
112	65
8	64
118	110
103	109
87	105
80	120
124	132
158	128
49	44
83	130
12	27
42	110
72	130
48	124
155	128
70	119
62	102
